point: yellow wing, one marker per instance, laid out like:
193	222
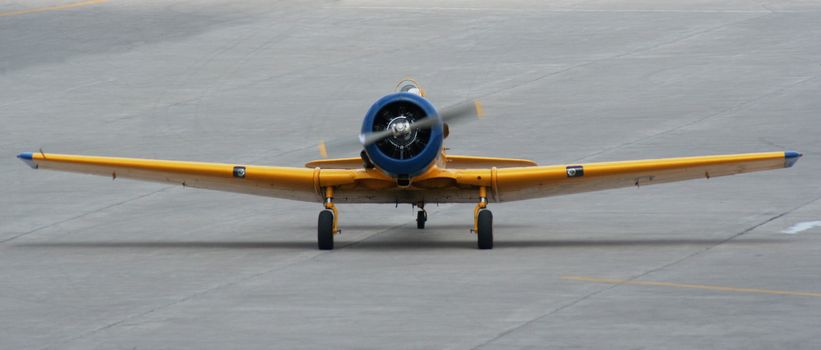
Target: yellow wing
281	182
451	162
336	163
509	184
473	162
437	185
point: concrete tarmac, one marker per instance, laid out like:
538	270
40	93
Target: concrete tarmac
91	263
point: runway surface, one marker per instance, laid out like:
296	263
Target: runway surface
91	263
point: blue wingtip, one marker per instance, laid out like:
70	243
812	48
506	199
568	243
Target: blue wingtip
790	157
28	157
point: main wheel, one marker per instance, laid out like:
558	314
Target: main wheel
421	217
325	230
485	234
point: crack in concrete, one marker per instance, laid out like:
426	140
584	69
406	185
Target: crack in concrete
624	54
309	256
85	214
648	272
726	111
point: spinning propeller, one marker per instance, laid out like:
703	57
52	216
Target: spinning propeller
448	115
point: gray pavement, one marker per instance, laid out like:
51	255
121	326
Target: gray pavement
90	263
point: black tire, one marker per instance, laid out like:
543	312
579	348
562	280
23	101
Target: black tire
325	228
485	234
421	218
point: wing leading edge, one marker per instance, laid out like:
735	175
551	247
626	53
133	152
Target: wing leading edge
280	182
544	181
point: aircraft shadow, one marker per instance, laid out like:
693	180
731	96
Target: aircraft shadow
383	244
548	243
430	227
175	244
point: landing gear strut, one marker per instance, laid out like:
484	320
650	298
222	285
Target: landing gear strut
327	223
483	222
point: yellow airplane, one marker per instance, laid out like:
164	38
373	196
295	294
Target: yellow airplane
403	161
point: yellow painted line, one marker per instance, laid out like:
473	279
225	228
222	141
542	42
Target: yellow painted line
52	8
691	286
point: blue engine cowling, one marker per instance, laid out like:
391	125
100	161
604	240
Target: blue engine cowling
407	155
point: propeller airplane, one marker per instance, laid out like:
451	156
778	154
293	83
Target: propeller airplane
403	160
